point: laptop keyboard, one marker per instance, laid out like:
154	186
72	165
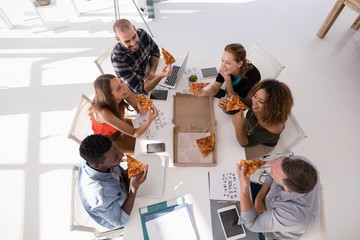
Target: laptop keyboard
171	80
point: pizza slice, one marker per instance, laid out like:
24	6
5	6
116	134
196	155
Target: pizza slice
168	58
206	145
197	86
234	103
144	101
251	166
134	166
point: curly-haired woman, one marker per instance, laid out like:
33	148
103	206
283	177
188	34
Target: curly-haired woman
271	103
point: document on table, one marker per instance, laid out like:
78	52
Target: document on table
224	185
157	127
175	224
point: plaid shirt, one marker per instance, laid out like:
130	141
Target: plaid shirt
131	67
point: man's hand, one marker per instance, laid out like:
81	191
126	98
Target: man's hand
259	205
244	180
166	71
136	181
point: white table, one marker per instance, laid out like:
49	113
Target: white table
190	182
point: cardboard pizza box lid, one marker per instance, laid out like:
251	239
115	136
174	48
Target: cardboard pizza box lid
193	115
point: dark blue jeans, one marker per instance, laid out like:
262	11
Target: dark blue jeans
261	236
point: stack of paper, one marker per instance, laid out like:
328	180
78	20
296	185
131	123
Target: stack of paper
171	219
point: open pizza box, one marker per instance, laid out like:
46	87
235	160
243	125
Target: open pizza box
193	119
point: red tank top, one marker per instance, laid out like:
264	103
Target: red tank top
103	128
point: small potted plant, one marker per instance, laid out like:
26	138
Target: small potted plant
193	78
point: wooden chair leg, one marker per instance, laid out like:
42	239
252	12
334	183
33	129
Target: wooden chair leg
330	19
356	24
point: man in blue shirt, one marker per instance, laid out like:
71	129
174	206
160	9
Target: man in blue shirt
288	203
105	190
135	58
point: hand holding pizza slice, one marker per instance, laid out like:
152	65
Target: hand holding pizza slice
145	102
234	103
206	145
134	166
251	166
168	58
197	86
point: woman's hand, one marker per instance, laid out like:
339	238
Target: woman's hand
222	103
141	110
152	112
238	119
227	77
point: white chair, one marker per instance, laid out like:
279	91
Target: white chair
103	62
80	219
81	125
292	135
268	66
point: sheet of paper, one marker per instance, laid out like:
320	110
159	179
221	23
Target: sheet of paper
167	226
157	126
224	186
188	150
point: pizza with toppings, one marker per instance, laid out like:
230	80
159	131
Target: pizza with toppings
168	58
234	103
144	101
206	145
197	86
251	166
134	166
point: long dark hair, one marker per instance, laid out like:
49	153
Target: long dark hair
104	97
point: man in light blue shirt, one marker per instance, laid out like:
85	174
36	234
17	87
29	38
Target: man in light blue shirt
106	192
288	203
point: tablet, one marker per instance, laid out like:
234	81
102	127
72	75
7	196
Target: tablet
159	94
209	72
229	217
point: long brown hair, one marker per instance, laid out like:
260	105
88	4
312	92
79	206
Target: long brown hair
239	53
278	102
104	97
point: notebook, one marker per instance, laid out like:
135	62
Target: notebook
153	187
171	81
157	207
165	225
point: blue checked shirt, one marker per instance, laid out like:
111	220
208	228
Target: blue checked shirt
131	67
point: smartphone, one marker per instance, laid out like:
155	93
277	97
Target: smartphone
159	94
155	147
229	217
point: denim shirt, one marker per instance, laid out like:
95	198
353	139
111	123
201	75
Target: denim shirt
288	216
102	196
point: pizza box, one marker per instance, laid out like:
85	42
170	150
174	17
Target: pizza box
193	119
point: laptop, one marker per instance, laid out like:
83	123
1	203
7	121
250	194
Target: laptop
171	81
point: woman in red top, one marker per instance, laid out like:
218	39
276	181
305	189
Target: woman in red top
112	96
